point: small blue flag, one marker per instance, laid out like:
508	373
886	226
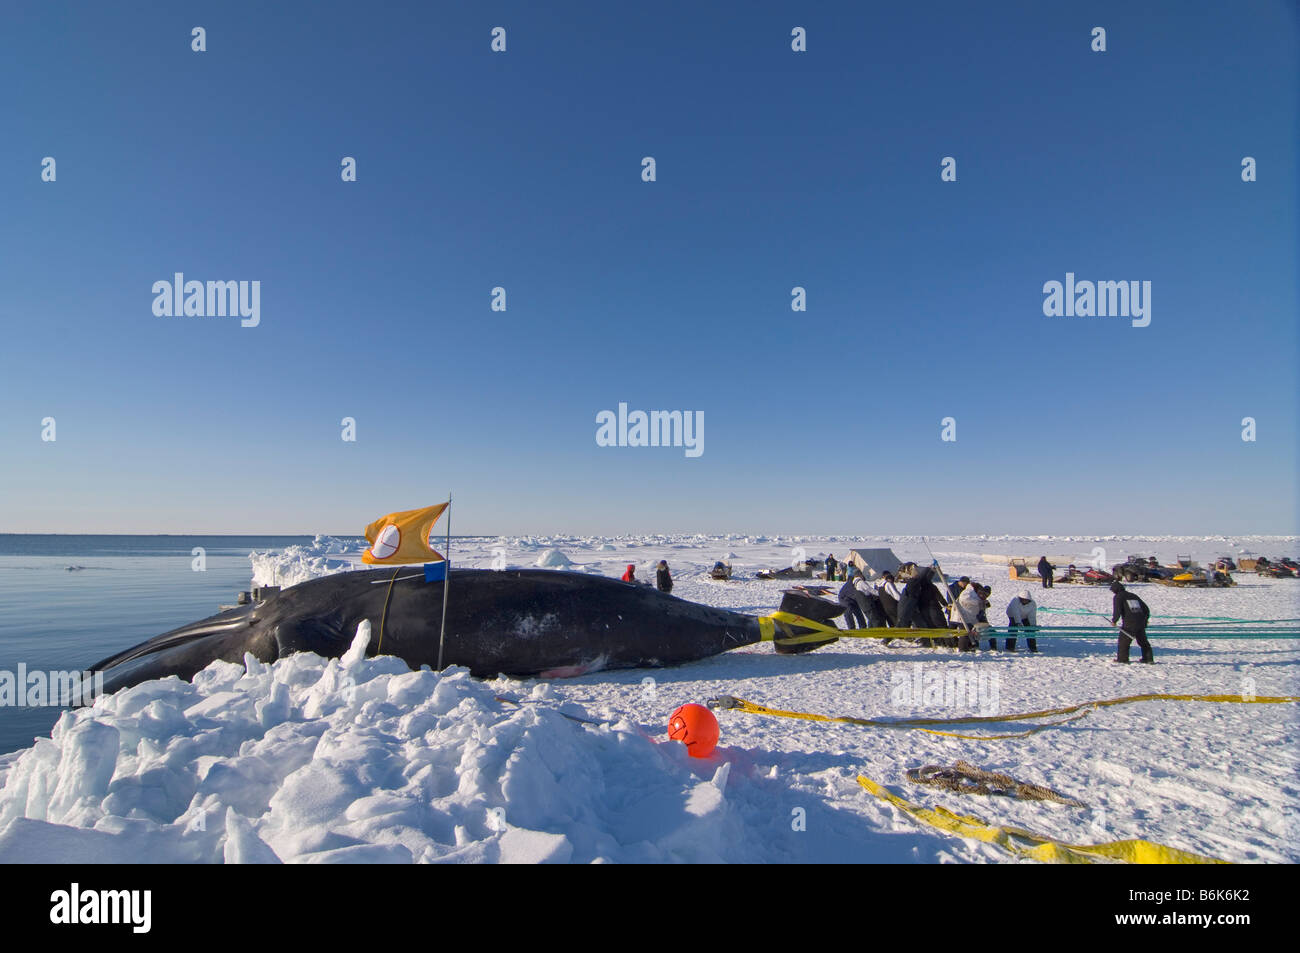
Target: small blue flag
435	572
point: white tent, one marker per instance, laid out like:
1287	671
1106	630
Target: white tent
873	562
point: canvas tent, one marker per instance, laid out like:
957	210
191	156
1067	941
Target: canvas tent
872	562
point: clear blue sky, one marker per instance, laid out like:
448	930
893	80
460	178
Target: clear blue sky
775	169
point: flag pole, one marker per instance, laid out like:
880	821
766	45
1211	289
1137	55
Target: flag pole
952	600
446	582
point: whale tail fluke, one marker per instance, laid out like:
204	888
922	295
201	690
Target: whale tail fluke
812	608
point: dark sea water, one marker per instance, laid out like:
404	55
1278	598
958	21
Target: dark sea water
69	601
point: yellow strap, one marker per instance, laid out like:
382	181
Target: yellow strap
1036	846
767	625
384	616
1074	711
1107	702
753	709
743	705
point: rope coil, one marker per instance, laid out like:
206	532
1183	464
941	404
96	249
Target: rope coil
964	778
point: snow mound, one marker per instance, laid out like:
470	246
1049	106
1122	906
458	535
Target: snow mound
355	760
553	559
323	556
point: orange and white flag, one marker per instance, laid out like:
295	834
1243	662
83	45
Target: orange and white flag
405	537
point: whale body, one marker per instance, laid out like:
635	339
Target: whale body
523	623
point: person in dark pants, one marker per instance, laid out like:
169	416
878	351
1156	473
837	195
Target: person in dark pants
934	606
868	602
831	565
853	617
908	601
663	579
1045	570
920	605
889	595
934	601
1022	613
1132	614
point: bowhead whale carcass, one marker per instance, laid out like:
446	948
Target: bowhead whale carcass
527	622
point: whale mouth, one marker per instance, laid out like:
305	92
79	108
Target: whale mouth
232	621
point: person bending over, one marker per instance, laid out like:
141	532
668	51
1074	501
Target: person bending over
1022	613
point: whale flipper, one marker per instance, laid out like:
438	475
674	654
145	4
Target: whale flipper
311	635
232	621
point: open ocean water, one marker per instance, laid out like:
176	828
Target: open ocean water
123	590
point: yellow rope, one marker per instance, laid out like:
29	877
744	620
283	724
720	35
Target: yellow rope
740	704
770	624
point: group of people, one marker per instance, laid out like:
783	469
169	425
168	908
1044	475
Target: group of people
919	604
663	578
972	600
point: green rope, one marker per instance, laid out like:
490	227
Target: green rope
1207	618
1152	632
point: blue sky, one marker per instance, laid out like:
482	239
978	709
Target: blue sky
775	169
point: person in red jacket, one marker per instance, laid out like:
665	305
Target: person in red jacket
630	574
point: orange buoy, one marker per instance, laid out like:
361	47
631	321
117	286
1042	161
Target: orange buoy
695	727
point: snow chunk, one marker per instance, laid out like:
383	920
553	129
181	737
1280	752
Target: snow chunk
519	846
553	559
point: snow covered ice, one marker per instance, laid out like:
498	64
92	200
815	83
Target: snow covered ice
362	760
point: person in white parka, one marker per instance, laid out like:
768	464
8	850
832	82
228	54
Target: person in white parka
1022	613
970	603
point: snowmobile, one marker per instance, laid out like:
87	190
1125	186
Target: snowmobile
1090	577
1212	578
800	570
1136	569
1278	570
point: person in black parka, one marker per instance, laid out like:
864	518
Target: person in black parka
889	596
920	605
1132	614
663	579
1045	570
908	601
